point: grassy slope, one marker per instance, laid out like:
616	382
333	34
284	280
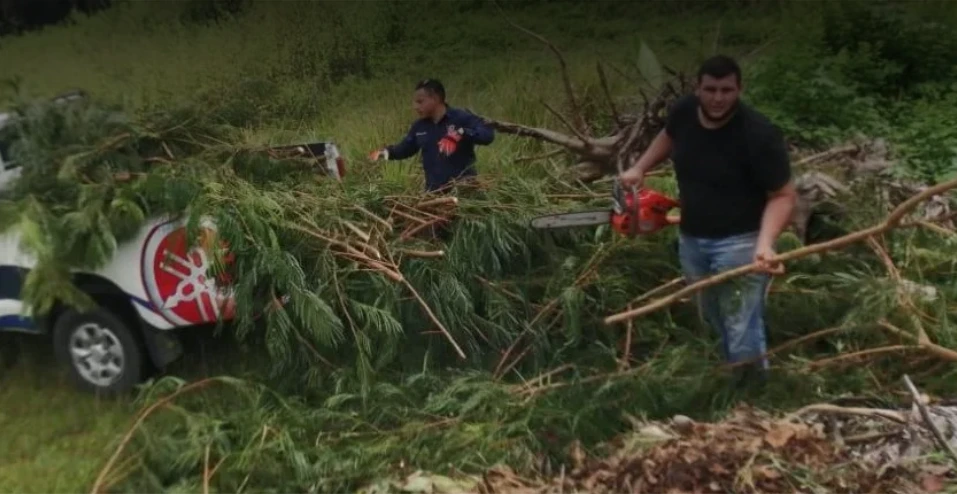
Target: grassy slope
60	438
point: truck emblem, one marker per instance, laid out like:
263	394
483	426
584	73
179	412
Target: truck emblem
176	278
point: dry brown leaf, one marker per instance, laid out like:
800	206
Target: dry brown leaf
931	483
779	436
767	472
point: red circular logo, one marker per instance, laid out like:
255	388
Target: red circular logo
176	278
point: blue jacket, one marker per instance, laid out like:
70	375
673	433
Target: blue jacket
424	135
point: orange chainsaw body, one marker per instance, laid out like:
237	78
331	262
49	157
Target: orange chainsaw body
646	216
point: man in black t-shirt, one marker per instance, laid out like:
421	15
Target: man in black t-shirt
736	194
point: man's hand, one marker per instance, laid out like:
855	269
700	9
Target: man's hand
763	255
633	176
379	155
450	141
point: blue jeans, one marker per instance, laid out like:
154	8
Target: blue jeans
735	308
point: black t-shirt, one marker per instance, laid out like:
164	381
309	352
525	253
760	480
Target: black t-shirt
725	174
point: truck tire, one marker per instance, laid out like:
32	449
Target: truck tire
100	350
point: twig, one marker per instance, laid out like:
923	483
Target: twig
537	157
826	154
889	223
409	217
585	141
864	412
529	384
206	471
586	273
98	484
358	231
863	353
654	291
608	98
435	320
374	217
903	297
939	351
422	253
789	344
438	201
927	419
409	233
566	81
626	353
586	380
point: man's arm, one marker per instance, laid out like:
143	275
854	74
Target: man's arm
477	131
405	148
777	214
657	152
772	168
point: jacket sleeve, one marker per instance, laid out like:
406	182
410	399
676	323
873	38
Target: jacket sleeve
476	130
405	148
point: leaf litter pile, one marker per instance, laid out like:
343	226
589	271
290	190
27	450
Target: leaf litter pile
750	451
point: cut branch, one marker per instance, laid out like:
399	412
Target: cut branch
889	223
925	414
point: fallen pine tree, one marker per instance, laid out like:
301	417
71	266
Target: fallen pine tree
371	299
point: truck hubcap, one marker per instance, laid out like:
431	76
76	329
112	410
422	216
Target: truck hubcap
97	354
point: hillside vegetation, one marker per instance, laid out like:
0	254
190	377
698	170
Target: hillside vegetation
493	356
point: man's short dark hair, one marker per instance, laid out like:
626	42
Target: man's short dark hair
433	86
719	67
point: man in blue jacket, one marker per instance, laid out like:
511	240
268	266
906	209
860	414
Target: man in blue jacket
446	136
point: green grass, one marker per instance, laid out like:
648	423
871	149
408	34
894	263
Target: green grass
54	437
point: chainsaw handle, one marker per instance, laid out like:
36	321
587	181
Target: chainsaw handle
634	215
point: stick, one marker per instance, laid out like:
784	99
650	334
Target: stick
418	228
410	217
654	291
890	222
422	253
939	351
358	231
568	124
431	315
826	154
930	423
864	412
604	87
438	201
374	217
566	81
862	353
98	484
789	344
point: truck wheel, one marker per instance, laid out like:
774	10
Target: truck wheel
102	353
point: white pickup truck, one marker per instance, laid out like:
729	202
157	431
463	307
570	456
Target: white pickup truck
155	283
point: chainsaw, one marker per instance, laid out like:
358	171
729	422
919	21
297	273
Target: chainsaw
632	213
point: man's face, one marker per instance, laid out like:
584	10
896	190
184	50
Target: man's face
425	103
718	96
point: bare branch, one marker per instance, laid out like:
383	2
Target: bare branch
604	87
577	115
570	142
585	140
